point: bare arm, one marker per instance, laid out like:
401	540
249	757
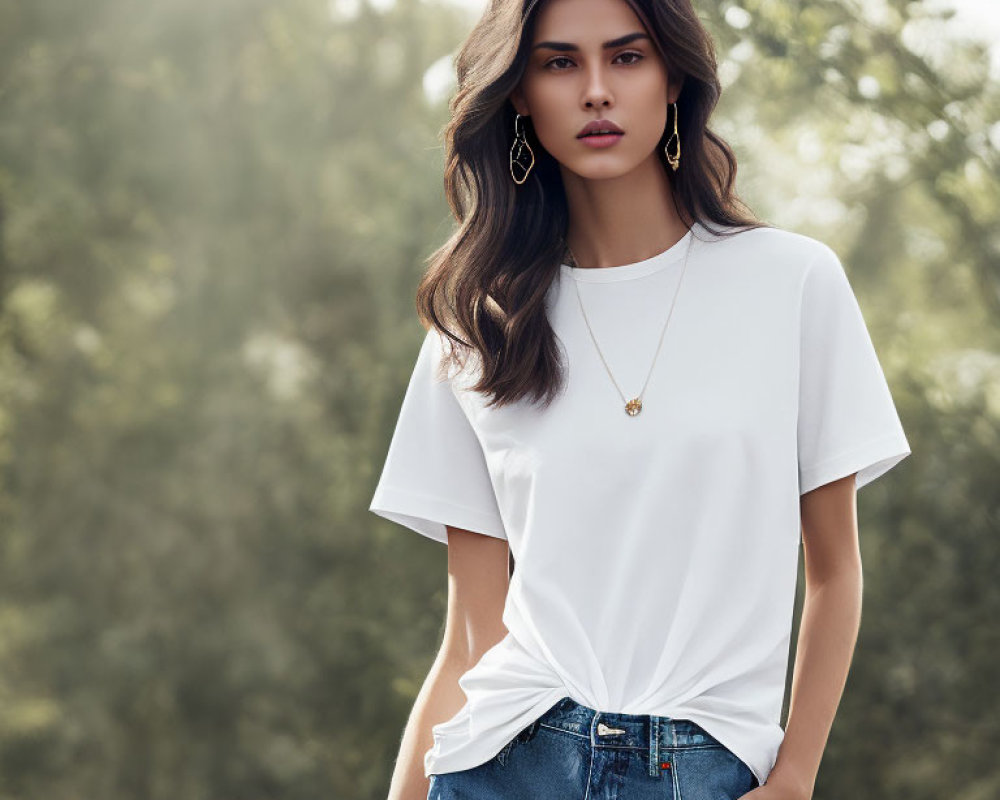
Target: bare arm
477	589
831	616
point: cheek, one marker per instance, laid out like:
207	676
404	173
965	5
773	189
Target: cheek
548	98
553	110
650	104
650	93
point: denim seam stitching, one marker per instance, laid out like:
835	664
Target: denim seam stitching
676	779
590	769
654	747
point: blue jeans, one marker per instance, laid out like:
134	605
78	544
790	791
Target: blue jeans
572	752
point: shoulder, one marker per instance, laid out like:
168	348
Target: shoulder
449	363
768	248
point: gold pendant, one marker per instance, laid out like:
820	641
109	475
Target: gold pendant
633	406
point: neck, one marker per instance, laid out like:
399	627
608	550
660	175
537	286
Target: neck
621	220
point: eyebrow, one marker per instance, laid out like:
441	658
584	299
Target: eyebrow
569	47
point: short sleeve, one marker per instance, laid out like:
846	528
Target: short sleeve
847	421
435	471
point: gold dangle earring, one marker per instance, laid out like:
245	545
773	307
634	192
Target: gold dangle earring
675	159
517	153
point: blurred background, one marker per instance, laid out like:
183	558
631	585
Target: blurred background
213	217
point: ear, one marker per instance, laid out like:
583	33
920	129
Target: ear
517	100
674	90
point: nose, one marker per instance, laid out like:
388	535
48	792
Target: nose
597	92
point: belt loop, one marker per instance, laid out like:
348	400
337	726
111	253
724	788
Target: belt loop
654	746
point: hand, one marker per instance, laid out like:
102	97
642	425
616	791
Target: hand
775	788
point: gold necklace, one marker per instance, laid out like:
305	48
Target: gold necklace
633	406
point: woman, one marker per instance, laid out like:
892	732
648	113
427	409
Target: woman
652	400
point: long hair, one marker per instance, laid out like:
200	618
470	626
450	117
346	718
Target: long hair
485	288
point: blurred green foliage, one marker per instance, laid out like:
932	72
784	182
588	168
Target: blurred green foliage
213	216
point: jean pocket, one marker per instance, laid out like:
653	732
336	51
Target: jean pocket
746	779
713	772
521	737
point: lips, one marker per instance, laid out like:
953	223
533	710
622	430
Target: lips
599	126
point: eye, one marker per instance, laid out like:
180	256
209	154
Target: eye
638	57
549	64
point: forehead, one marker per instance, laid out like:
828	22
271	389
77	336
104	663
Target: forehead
587	23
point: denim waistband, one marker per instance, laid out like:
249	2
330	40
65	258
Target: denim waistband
656	734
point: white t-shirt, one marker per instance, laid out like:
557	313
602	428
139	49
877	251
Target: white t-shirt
656	555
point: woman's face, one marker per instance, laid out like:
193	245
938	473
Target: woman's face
572	78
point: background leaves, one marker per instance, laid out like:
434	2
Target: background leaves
212	220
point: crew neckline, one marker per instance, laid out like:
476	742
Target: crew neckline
636	269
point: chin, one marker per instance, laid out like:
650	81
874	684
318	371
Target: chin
602	172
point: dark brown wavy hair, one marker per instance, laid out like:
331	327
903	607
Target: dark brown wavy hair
485	288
